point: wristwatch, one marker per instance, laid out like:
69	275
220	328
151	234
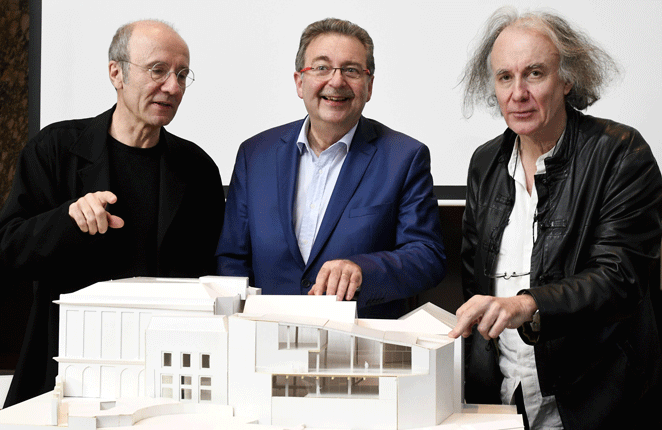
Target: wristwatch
535	324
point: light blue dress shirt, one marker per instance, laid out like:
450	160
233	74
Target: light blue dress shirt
315	183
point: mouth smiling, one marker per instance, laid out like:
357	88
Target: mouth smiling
336	98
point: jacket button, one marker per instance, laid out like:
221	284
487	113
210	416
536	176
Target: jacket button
305	283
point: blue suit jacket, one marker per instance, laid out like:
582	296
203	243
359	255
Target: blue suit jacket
382	215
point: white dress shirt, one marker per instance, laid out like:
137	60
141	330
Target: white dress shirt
517	359
315	183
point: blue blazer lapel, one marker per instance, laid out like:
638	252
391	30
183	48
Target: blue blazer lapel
358	158
287	168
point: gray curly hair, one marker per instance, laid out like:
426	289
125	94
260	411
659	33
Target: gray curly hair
588	67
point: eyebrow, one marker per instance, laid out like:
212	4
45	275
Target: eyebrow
528	68
533	66
345	64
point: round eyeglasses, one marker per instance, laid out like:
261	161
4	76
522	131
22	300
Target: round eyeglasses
326	71
160	72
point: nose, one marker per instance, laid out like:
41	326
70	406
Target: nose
520	90
170	84
337	79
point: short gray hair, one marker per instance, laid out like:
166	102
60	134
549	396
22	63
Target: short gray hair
339	26
119	46
584	64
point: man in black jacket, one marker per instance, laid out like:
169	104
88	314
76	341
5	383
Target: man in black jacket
110	197
561	228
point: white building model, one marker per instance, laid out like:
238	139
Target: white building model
182	344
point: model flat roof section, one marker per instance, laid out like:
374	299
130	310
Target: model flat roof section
226	286
150	293
326	307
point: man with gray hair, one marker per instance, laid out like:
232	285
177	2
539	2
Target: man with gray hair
334	203
560	231
110	197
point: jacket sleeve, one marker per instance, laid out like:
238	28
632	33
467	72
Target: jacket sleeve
234	252
418	260
623	239
35	227
469	236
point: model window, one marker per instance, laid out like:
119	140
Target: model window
167	359
166	393
186	394
186	360
166	379
205	361
205	381
186	380
205	395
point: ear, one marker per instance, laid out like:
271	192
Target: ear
567	87
371	80
298	81
115	74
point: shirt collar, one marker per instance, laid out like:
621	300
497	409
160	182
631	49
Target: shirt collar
302	140
540	162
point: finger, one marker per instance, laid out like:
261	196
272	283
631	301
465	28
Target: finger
78	217
100	218
316	290
88	214
462	328
343	285
498	327
115	221
468	315
94	208
354	283
320	282
333	281
485	324
106	197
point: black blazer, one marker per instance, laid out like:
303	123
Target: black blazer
38	240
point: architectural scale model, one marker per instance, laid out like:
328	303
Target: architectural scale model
144	347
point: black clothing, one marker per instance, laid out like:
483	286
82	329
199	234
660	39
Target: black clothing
39	241
599	231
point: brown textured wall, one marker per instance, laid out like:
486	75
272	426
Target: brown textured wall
14	26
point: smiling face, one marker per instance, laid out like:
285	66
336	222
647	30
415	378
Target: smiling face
531	95
143	103
334	103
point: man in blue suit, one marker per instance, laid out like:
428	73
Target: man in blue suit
335	203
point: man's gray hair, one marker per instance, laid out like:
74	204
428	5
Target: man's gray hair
119	46
339	26
588	67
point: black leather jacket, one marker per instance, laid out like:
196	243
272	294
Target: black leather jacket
598	233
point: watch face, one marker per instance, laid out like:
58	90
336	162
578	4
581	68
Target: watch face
535	324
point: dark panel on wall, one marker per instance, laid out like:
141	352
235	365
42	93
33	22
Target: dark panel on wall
14	32
448	294
15	25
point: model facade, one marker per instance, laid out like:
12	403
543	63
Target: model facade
284	360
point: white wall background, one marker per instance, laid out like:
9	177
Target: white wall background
243	53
